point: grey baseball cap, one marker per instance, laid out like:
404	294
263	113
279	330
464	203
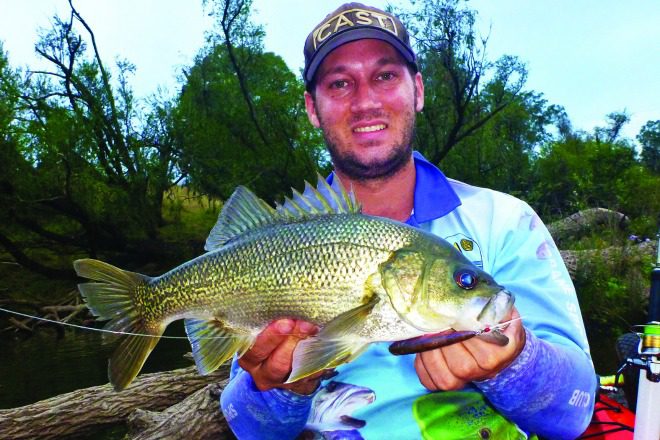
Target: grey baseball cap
350	22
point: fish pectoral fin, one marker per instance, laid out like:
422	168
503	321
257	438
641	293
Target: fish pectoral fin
495	337
316	354
337	343
213	343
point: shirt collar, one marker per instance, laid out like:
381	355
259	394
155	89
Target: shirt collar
434	196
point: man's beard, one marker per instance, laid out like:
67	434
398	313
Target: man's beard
350	164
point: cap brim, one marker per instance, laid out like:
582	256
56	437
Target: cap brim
352	35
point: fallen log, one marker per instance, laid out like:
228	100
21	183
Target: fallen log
584	221
574	260
56	310
196	417
82	412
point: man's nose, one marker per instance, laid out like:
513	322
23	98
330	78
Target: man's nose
365	98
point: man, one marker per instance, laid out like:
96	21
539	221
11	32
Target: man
363	92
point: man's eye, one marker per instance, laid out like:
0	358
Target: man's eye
386	76
339	84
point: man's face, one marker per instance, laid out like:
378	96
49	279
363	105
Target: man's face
365	103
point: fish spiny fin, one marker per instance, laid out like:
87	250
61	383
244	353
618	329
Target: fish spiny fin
111	298
338	197
337	343
242	211
297	206
324	199
213	344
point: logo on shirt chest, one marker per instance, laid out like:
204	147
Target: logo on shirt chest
468	247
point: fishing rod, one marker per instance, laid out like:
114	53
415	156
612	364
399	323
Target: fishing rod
647	420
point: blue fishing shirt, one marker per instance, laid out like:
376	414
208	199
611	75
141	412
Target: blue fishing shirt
548	390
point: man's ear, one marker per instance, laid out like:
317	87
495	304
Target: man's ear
311	110
419	91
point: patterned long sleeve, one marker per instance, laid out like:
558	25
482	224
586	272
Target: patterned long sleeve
262	415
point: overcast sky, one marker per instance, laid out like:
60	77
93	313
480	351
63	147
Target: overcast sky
591	56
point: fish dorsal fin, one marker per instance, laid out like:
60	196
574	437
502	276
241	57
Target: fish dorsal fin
324	199
242	211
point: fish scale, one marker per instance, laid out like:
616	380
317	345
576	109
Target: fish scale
315	260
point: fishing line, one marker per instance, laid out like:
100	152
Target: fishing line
499	326
101	330
114	332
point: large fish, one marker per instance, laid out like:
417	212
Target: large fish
362	279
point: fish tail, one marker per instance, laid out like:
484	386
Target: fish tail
111	297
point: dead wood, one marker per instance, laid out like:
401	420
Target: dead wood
196	417
82	412
575	259
584	221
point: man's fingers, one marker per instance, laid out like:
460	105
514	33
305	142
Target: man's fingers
460	366
424	375
267	341
436	373
277	366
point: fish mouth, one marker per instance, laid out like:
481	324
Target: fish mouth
497	307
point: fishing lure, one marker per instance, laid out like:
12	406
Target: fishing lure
444	339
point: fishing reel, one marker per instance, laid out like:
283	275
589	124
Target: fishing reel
648	353
647	423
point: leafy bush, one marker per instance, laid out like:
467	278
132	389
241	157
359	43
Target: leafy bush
612	288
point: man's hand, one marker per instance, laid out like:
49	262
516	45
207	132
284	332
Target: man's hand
452	367
269	359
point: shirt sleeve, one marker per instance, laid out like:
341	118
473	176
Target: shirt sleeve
550	388
255	414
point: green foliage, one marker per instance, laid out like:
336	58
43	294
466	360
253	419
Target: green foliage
580	172
612	292
189	216
224	145
500	154
85	169
649	138
9	86
241	119
463	89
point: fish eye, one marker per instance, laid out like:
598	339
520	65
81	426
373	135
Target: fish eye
466	279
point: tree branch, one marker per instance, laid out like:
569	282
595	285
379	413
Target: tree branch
30	264
227	22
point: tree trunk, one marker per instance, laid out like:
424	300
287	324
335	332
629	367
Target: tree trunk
82	412
197	417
